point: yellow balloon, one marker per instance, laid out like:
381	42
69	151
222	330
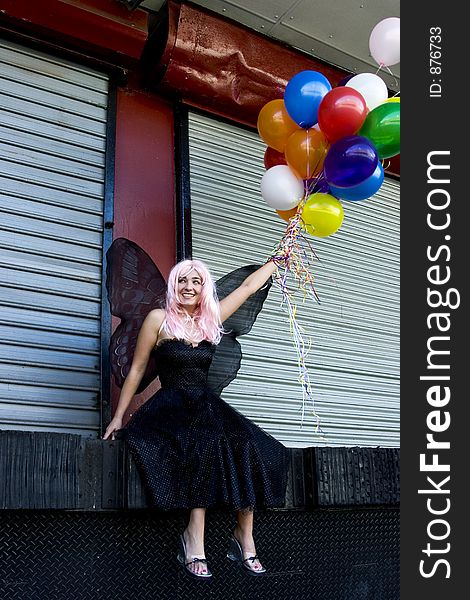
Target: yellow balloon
393	99
322	214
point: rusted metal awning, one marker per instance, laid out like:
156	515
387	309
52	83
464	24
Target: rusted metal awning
215	64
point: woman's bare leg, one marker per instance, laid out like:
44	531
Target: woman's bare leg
194	539
244	534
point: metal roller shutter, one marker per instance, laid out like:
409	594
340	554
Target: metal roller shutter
354	357
52	158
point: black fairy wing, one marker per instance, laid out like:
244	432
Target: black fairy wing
135	287
228	354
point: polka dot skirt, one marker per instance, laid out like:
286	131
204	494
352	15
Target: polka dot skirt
195	450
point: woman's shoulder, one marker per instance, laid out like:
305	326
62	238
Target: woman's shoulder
156	317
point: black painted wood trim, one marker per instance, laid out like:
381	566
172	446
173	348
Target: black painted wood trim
55	470
183	184
357	476
108	224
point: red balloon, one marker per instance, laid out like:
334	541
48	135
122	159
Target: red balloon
273	157
341	113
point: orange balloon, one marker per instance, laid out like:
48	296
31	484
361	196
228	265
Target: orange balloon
287	214
275	125
305	152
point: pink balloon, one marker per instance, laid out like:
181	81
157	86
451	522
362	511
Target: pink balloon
384	42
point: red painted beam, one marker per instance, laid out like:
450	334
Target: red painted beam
144	188
105	28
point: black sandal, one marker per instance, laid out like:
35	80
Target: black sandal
235	553
181	557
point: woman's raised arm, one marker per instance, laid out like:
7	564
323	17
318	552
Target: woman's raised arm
251	285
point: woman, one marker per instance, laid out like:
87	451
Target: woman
194	450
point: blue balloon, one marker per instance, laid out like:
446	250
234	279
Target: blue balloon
363	190
350	161
303	95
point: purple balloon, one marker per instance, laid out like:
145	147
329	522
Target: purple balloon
350	161
345	80
316	184
363	190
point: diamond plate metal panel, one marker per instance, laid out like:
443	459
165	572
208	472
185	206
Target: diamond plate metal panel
322	555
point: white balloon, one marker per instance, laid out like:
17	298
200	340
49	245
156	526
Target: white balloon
372	87
384	42
281	188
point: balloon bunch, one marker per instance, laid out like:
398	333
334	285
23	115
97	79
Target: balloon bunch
326	145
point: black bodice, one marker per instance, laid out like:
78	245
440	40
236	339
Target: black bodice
181	365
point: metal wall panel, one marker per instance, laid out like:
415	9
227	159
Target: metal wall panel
353	360
52	168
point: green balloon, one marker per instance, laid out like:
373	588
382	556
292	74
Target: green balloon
382	128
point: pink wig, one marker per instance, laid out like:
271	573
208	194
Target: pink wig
205	323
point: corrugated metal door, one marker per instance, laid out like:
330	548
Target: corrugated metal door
354	356
52	157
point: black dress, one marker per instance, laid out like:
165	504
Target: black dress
193	449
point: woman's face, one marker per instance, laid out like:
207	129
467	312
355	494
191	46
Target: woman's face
189	289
